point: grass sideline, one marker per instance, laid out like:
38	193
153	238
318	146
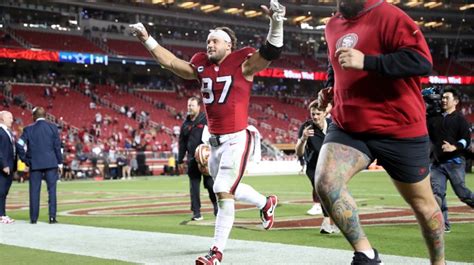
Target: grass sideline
371	189
20	255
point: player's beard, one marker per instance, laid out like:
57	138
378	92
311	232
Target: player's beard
192	114
216	57
350	8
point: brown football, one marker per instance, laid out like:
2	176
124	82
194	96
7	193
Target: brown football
202	157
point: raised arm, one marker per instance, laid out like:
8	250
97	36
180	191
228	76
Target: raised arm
272	47
162	55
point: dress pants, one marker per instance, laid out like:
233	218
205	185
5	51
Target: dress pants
51	176
5	184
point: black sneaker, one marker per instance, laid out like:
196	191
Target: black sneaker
447	230
361	259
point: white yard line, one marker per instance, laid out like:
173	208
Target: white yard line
162	248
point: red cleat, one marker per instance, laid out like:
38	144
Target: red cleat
214	257
267	214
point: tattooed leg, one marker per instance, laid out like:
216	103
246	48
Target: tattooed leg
337	164
422	201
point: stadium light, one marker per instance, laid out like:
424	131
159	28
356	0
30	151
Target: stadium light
162	2
433	24
301	19
209	8
432	4
325	20
206	7
252	13
188	5
466	7
413	3
233	10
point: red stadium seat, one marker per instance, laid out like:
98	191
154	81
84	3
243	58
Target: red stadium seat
58	41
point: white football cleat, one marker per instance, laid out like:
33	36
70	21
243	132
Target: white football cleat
315	210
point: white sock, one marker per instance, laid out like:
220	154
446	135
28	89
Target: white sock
326	220
246	193
224	222
369	253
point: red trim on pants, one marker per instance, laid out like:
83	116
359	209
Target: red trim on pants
243	162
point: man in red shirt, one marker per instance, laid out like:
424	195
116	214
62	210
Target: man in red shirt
226	76
376	54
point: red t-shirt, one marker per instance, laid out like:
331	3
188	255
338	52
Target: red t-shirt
225	91
366	101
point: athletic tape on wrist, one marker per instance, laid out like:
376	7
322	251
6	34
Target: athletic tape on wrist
275	33
150	43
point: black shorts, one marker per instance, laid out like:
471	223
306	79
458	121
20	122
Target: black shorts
405	160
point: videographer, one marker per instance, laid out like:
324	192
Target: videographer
450	136
310	140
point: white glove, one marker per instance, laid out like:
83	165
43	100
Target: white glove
139	31
276	12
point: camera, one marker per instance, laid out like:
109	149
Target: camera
432	98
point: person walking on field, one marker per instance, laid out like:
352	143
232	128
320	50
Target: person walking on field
190	137
377	54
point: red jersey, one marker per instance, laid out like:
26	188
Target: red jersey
366	101
225	91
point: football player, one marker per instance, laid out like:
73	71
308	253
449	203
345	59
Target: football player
226	76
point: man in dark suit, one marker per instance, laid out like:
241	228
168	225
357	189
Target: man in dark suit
43	157
7	162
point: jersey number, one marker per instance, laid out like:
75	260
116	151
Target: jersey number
207	88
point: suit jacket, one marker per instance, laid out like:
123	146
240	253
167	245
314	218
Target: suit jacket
43	146
7	156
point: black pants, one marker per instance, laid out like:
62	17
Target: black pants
5	184
310	174
51	177
194	183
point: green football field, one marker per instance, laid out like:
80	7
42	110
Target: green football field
161	204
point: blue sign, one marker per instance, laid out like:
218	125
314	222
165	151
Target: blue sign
83	58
